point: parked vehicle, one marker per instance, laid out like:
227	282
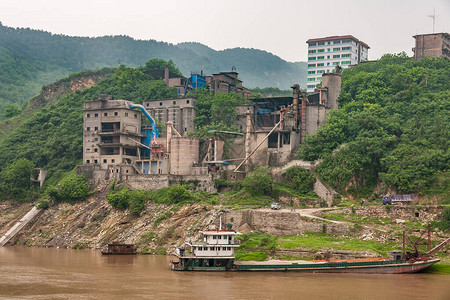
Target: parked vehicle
398	199
275	205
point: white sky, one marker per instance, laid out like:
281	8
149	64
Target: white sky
278	26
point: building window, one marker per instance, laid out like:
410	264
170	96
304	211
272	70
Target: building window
346	48
160	103
311	51
187	101
112	160
311	86
311	58
174	102
336	49
320	72
148	104
337	42
96	139
104	161
88	129
321	50
135	116
321	43
345	55
95	149
328	57
96	115
88	115
96	128
126	171
346	62
320	57
312	44
345	41
105	114
329	49
328	64
116	113
320	65
88	150
311	65
311	79
311	72
95	161
336	56
88	161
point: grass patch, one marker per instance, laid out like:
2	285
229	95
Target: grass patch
80	245
162	217
258	241
246	255
243	199
354	218
439	268
316	241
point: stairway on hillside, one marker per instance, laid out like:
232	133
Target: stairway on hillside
19	225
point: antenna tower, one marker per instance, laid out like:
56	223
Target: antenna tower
433	16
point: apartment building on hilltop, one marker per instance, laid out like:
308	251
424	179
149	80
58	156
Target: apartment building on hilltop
324	54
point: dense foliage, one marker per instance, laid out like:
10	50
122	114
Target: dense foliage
73	188
15	179
258	182
300	179
31	58
392	127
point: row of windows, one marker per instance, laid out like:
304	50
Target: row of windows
106	114
328	57
89	128
320	72
315	78
328	64
213	248
173	103
329	43
311	86
89	150
219	237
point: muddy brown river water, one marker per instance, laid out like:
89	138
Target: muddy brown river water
38	273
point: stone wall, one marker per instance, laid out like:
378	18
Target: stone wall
279	223
324	192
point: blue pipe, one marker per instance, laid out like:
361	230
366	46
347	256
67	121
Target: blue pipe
155	132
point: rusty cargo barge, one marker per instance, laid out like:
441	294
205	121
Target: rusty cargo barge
216	253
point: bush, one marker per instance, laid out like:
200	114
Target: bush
42	204
259	181
301	180
178	193
136	201
119	199
73	188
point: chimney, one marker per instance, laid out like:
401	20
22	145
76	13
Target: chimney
166	75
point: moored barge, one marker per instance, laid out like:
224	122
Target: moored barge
216	253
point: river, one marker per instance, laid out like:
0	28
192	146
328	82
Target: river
40	273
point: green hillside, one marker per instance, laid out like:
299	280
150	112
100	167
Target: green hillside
392	130
31	58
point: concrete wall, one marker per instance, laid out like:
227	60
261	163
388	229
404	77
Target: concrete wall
184	152
279	223
434	45
324	192
332	82
315	117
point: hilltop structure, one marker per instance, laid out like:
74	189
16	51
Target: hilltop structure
432	44
326	53
127	141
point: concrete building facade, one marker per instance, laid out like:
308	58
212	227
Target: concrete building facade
324	54
432	44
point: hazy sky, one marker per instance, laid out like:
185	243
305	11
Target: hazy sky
279	26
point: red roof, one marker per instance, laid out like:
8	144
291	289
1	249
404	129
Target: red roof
337	37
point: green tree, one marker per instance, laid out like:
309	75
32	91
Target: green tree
11	110
15	179
259	181
74	187
301	180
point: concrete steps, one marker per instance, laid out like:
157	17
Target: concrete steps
19	225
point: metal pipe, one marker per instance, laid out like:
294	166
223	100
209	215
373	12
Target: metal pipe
265	138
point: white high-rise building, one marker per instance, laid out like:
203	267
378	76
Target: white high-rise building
325	53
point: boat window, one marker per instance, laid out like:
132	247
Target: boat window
224	237
200	249
214	237
229	248
219	237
